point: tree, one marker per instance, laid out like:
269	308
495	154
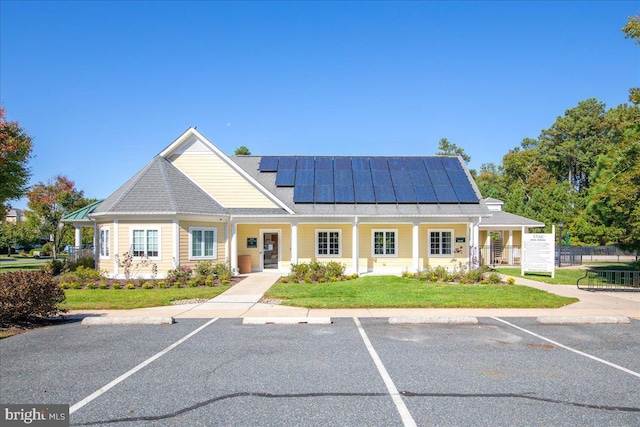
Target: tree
632	31
446	148
16	234
50	202
242	151
15	152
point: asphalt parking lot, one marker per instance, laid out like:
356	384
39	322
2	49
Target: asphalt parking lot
353	372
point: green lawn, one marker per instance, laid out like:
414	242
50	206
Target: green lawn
564	276
13	263
398	292
115	299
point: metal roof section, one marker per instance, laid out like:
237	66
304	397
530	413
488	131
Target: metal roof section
82	214
506	219
159	189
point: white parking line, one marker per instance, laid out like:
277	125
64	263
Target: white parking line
132	371
597	359
407	419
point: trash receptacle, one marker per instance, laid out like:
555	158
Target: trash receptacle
244	264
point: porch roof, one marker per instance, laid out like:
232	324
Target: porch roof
82	214
506	219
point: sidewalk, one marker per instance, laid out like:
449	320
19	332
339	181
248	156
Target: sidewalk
242	300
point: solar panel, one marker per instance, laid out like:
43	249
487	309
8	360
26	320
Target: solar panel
362	177
286	163
405	194
433	163
344	194
324	177
451	163
381	177
415	163
438	177
364	193
379	164
425	194
285	178
445	194
419	177
465	194
268	164
304	163
324	163
399	172
303	194
342	163
304	177
360	164
323	194
342	177
458	177
384	194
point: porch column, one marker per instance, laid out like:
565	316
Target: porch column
176	244
476	245
116	248
78	239
234	248
355	247
416	246
511	246
294	242
226	242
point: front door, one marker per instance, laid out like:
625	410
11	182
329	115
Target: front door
270	250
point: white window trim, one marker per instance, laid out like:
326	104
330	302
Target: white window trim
319	255
146	229
108	246
373	242
215	243
441	255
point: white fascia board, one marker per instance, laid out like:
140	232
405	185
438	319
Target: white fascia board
193	132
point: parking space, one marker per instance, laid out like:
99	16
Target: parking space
492	373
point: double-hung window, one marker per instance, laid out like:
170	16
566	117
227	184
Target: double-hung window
202	243
145	243
328	243
104	242
385	243
441	242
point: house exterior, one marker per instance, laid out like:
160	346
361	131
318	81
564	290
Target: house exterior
192	202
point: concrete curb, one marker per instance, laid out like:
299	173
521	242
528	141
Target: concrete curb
95	321
286	321
446	320
587	320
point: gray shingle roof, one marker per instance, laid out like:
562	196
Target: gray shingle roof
251	165
160	188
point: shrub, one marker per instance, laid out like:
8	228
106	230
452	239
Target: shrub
115	286
27	294
130	286
86	261
511	281
65	285
204	268
147	285
90	286
316	271
223	272
161	284
54	267
494	278
47	249
180	274
103	286
193	283
76	285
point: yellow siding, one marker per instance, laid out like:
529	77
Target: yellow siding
307	243
245	231
106	264
222	182
184	241
165	262
404	243
461	250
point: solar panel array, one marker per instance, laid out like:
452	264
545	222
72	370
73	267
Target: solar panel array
372	179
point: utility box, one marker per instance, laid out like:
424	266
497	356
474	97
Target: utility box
244	264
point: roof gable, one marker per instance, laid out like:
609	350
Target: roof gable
159	188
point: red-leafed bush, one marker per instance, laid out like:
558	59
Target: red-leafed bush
28	294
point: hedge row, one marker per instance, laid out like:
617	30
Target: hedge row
28	294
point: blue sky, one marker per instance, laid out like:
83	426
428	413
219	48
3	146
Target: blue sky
104	86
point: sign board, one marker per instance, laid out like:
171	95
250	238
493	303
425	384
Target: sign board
460	239
252	242
538	253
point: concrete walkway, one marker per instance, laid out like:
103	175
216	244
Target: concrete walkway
242	301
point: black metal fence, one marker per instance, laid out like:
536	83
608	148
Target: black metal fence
500	255
610	280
